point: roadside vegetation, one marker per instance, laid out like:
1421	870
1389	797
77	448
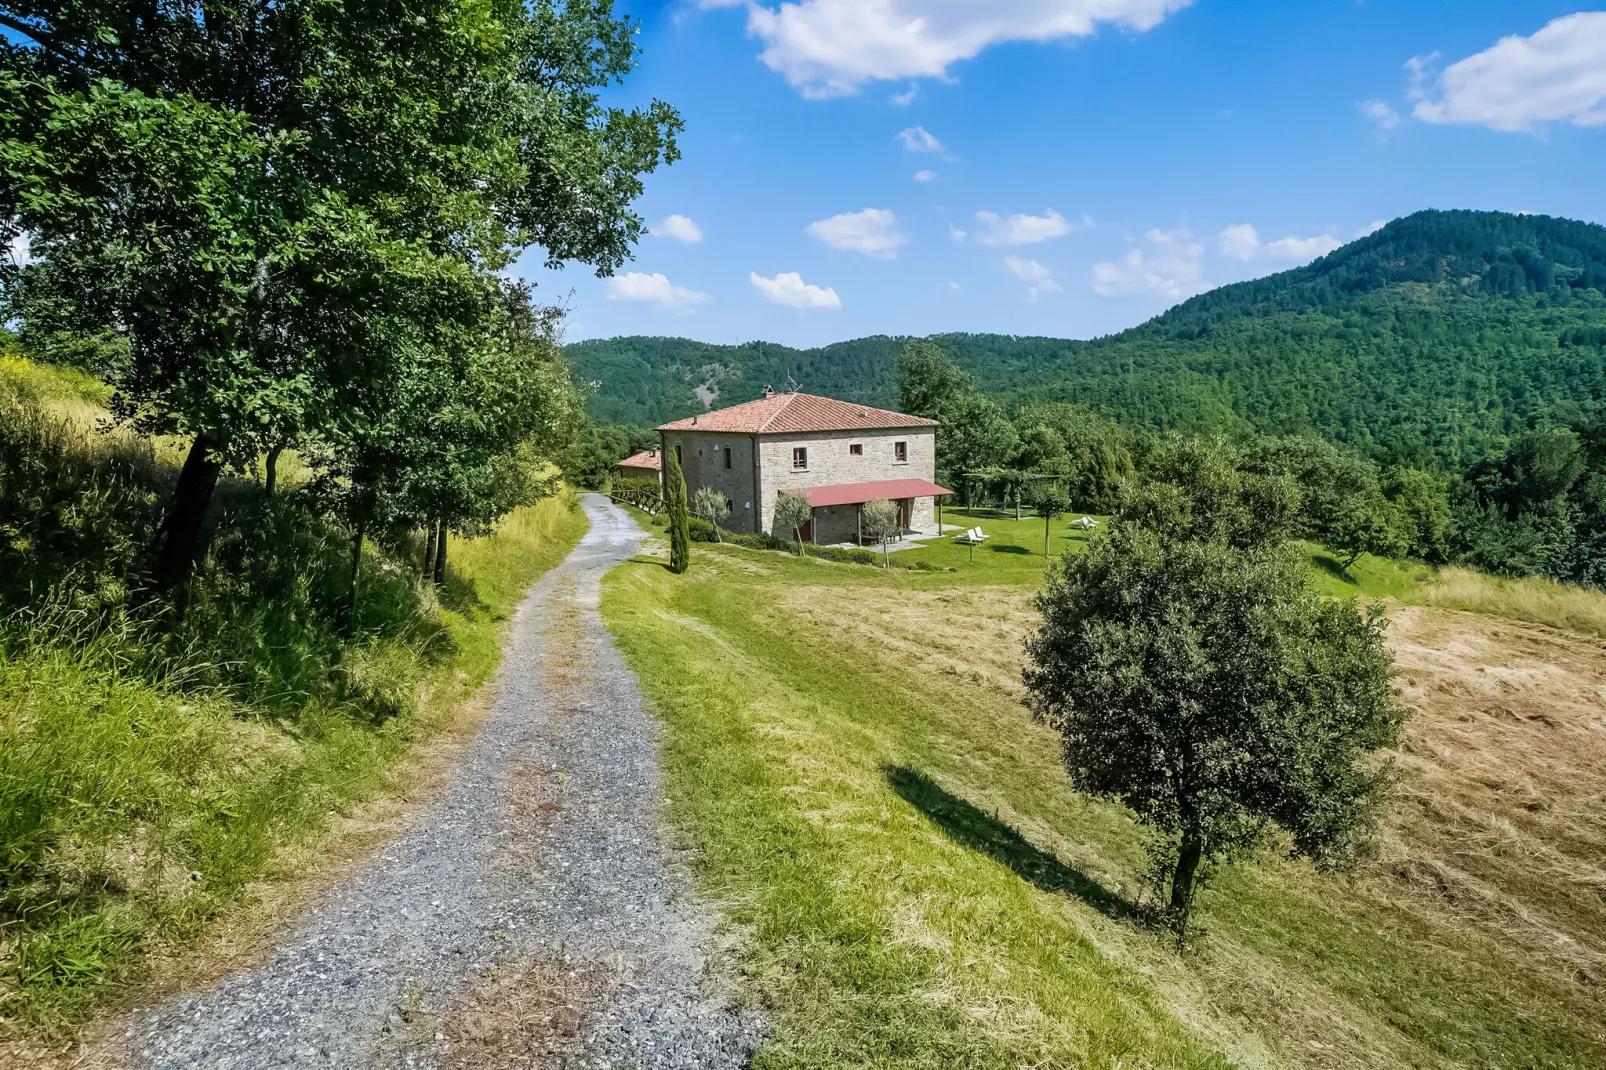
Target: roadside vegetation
279	436
154	763
913	880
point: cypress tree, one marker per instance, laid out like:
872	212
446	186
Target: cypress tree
679	522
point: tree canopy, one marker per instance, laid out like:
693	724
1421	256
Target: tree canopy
291	217
1194	676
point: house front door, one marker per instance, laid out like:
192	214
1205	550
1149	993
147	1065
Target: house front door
806	532
905	511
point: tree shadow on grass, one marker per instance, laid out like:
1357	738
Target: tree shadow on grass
969	826
1009	549
660	562
1334	568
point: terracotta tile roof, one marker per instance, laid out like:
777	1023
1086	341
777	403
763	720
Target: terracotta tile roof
792	413
644	459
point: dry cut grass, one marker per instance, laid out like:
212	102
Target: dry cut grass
1494	856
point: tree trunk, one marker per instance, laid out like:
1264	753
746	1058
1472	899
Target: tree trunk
179	540
429	550
1045	536
270	478
1189	855
356	569
440	556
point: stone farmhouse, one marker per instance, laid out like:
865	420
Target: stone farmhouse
837	454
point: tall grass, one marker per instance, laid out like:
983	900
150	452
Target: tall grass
153	762
1542	601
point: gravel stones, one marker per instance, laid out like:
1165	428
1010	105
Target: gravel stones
532	915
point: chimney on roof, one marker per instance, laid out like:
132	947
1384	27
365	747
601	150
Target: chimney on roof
694	421
769	391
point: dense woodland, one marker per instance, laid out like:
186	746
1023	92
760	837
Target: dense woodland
1433	341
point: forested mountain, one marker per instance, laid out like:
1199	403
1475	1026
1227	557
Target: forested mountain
1433	340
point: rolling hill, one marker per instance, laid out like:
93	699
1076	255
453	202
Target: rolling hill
1433	339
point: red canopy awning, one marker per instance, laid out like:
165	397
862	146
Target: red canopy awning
858	493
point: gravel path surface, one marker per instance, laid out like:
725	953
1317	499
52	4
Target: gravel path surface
532	915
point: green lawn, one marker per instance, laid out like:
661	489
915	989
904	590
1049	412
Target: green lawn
912	883
1013	551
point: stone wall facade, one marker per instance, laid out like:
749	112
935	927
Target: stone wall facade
751	487
726	463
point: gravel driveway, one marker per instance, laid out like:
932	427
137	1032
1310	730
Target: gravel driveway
532	915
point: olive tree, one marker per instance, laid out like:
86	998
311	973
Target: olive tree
710	505
792	513
882	523
1194	676
679	524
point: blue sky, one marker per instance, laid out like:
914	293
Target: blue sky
1069	167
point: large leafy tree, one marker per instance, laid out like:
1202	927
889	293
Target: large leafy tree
1194	676
273	202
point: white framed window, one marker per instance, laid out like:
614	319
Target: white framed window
800	458
900	453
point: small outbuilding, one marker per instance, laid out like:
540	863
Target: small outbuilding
648	464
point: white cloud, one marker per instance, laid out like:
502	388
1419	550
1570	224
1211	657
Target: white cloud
1021	229
873	232
957	234
1302	249
830	48
919	139
1239	241
20	251
1381	113
1038	279
906	98
925	176
1168	267
789	289
1242	242
678	227
655	289
1372	228
1557	75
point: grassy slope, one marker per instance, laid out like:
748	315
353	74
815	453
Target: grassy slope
918	886
135	806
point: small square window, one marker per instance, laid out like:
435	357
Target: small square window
856	450
800	458
900	452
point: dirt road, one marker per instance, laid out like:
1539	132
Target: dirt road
532	915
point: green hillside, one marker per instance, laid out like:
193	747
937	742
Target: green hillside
1434	338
